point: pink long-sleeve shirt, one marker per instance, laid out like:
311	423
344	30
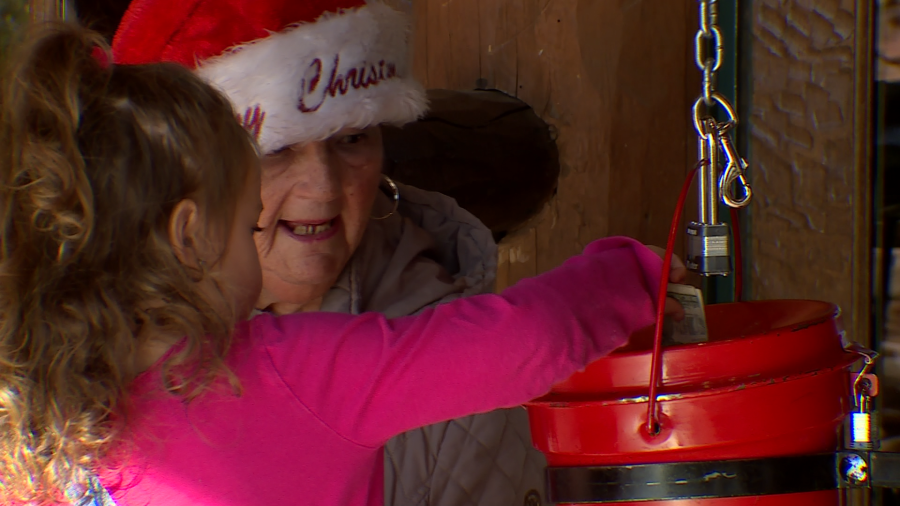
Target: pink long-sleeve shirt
322	392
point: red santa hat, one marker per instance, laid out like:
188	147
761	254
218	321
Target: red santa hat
295	70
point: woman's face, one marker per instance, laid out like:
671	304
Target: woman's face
317	198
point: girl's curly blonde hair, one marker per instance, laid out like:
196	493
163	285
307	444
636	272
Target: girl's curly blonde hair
93	158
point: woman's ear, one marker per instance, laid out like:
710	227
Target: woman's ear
184	230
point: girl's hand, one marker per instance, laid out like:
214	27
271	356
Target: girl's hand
677	274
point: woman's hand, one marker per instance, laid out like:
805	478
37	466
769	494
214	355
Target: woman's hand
677	274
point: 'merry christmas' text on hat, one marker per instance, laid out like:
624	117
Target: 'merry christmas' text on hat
295	70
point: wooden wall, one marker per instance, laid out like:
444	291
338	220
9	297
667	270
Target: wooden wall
615	78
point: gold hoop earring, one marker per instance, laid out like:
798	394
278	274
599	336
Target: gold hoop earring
395	197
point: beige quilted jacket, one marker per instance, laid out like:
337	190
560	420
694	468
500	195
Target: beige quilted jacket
430	252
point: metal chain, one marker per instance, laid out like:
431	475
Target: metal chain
708	33
708	52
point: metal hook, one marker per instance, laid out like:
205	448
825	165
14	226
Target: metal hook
735	171
719	99
730	176
869	357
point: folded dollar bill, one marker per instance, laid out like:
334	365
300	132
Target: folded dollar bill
693	328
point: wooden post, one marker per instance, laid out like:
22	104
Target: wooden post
810	233
46	10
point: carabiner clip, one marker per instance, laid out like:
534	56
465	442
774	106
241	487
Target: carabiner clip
730	176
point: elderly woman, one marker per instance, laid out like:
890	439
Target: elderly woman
313	80
333	242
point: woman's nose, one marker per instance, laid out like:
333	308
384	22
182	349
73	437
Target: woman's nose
314	173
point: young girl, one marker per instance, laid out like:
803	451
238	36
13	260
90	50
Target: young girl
130	196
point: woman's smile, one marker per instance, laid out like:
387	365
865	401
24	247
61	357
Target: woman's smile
311	231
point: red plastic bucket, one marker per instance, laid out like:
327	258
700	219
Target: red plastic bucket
773	381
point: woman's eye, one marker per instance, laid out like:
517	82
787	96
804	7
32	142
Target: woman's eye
353	138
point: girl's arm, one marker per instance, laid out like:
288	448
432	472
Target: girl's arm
370	378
